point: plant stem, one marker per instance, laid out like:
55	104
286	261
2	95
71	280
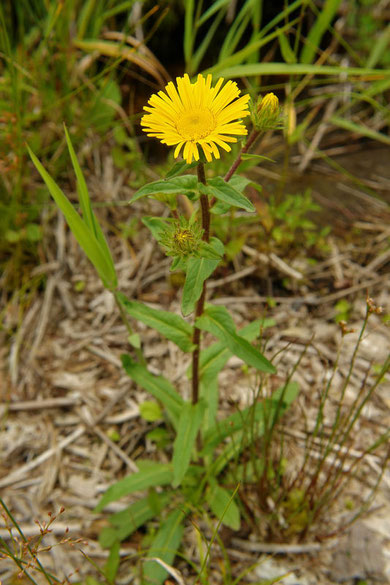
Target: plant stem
204	205
251	140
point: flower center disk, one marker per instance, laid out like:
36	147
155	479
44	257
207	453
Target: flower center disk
195	124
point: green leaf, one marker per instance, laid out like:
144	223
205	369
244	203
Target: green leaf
155	474
239	182
214	357
216	320
172	326
285	48
135	340
158	386
219	208
127	521
223	506
85	203
112	565
164	546
209	393
206	250
189	423
182	184
156	225
80	230
379	48
179	167
150	411
215	7
227	193
198	270
178	264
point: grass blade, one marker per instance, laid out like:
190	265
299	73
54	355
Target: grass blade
325	17
189	33
80	230
253	69
85	203
360	129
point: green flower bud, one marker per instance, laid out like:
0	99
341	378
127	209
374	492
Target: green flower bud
182	239
266	113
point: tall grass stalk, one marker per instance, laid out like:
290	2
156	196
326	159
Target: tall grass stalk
304	495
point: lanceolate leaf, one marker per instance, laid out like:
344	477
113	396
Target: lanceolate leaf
85	237
223	506
209	393
172	326
189	424
156	225
216	320
112	565
239	182
164	547
125	522
182	184
225	192
198	270
214	357
85	203
154	474
179	167
158	386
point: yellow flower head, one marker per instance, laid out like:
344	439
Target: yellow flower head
266	115
196	114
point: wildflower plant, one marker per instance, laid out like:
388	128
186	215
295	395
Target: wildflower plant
200	119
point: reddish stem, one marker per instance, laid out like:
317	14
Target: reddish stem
204	205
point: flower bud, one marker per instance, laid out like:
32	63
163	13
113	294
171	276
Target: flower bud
266	115
182	238
268	105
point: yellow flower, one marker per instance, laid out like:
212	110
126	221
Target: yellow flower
196	114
